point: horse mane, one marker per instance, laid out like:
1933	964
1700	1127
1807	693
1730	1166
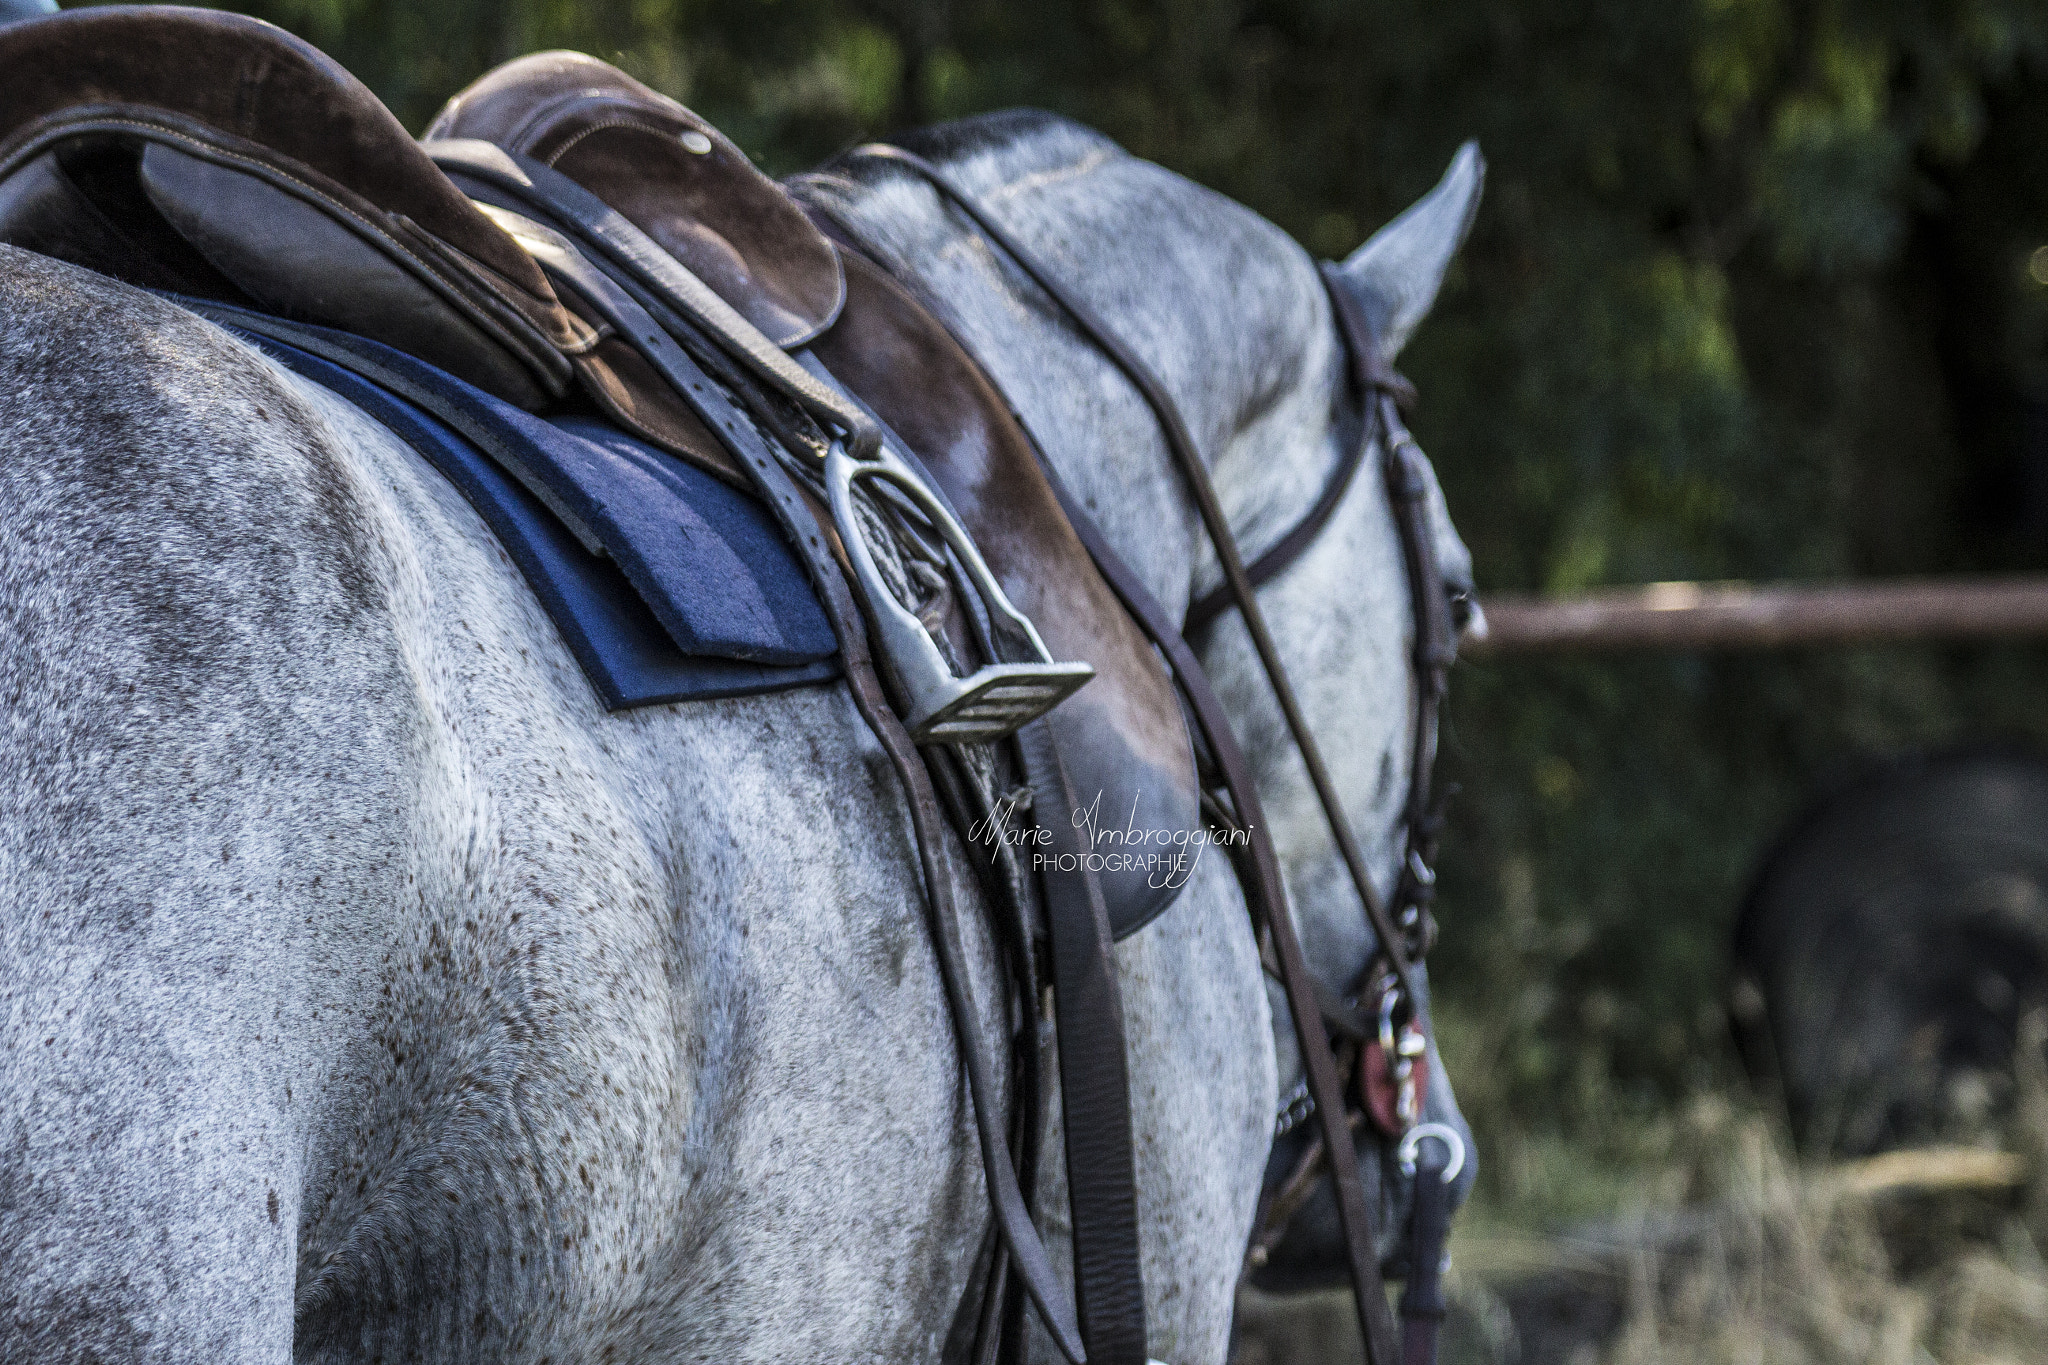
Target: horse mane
1032	141
1023	146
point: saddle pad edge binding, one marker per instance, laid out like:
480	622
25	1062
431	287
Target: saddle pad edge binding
630	660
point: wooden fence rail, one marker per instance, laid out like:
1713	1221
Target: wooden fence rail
1710	616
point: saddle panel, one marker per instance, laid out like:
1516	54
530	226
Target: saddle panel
678	179
287	133
83	204
1123	739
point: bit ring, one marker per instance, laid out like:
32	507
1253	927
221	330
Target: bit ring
1442	1132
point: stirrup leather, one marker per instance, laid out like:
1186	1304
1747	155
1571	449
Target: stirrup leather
942	707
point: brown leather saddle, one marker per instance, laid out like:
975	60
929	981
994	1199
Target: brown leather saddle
216	156
690	190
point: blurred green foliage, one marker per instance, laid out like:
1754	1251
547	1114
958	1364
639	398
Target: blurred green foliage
1750	297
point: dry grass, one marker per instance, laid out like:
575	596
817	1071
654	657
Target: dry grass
1725	1250
1909	1259
1807	1269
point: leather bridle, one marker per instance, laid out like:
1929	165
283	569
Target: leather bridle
1401	923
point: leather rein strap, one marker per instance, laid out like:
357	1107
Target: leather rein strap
1189	459
1379	389
1204	610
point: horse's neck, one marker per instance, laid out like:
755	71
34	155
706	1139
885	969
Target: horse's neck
1236	357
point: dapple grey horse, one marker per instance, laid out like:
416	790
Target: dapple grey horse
368	993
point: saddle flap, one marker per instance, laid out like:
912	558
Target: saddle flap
1122	739
674	176
248	99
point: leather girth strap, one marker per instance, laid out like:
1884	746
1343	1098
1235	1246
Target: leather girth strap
1095	1092
1375	1320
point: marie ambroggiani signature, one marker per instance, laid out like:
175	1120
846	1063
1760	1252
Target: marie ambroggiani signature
1167	857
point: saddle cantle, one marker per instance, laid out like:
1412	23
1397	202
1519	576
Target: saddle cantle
677	178
218	156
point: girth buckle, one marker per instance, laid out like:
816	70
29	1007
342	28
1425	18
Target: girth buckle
940	706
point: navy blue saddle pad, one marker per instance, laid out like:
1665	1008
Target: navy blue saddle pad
666	584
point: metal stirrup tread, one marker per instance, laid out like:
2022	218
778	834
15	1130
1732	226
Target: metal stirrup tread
942	707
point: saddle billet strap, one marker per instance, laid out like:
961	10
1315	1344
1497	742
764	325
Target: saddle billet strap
1182	446
554	193
1095	1088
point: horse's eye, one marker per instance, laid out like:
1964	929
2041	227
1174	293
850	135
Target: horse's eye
1461	606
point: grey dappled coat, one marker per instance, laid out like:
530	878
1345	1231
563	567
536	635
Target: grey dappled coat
366	992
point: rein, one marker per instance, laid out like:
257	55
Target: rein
1403	927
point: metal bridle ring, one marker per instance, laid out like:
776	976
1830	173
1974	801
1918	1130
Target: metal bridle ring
1442	1132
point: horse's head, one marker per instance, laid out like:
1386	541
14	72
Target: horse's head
1232	315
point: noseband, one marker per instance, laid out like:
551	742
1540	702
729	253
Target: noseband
1387	1031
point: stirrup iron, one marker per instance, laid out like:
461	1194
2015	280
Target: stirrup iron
942	707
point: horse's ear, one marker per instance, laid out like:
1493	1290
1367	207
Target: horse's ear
1396	274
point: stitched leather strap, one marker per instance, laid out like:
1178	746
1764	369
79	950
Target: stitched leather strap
1095	1091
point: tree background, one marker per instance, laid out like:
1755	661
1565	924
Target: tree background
1753	294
